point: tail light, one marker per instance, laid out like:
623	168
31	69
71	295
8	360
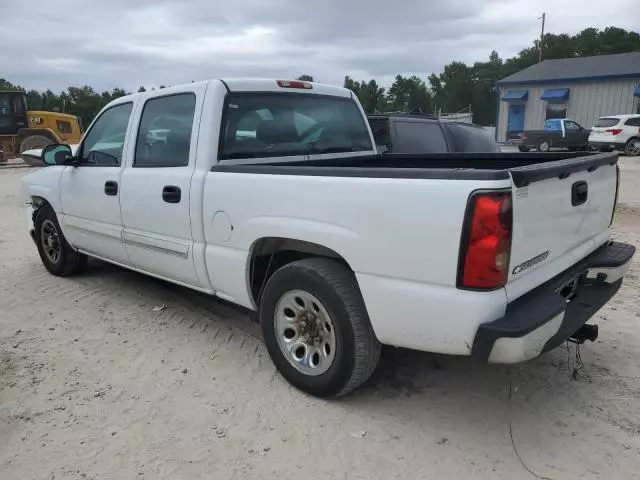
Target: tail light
294	84
486	241
614	131
523	135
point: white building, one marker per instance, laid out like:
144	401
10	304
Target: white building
582	89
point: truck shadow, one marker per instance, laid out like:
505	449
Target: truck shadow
446	393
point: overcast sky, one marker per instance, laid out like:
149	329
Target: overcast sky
127	43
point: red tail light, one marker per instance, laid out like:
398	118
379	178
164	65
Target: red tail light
614	131
294	84
486	241
523	135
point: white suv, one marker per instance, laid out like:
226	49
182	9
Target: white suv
617	132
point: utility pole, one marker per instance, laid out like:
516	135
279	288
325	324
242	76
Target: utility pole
544	16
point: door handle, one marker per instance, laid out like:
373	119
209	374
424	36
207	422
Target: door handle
111	188
171	194
579	193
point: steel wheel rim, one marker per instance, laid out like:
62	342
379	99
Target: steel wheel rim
633	148
305	332
50	239
544	146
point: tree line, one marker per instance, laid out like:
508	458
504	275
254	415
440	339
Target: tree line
459	87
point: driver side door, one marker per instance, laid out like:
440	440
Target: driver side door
91	191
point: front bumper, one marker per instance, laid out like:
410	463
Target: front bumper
547	316
607	145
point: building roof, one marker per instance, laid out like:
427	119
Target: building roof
600	67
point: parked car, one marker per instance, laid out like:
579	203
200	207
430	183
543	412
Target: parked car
557	133
617	132
494	255
417	133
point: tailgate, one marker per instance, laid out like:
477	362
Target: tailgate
561	212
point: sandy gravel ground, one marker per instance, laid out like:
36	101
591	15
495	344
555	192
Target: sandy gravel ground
95	383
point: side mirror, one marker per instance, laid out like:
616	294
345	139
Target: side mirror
57	154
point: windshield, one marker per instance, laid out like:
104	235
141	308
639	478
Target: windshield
286	124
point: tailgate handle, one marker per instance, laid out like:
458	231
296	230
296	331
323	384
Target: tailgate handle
579	193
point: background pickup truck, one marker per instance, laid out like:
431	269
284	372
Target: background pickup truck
269	194
557	133
419	133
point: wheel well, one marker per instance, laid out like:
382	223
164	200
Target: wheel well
271	253
37	203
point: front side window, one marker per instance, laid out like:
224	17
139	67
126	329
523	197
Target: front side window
419	137
104	143
468	138
285	124
164	136
571	126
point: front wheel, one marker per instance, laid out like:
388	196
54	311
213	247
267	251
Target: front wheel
58	257
632	148
316	328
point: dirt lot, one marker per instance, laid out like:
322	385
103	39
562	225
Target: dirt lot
96	383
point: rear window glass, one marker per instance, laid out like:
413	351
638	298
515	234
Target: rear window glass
419	137
286	124
606	122
472	139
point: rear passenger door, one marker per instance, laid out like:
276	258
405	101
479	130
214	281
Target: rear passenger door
156	186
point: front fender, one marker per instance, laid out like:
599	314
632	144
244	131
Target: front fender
43	183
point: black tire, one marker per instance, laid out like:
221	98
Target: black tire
524	149
632	148
33	142
357	349
543	146
69	261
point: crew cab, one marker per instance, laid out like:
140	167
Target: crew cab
269	194
557	133
419	133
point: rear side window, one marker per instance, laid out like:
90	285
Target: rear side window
63	126
606	122
419	137
633	122
472	139
164	136
259	125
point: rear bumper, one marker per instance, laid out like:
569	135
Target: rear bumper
544	318
607	145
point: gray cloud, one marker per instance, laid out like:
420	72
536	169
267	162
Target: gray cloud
151	42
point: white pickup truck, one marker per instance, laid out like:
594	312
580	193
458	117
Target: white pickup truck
269	194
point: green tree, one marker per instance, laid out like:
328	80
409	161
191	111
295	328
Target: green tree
305	78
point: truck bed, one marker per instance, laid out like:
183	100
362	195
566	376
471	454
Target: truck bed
524	168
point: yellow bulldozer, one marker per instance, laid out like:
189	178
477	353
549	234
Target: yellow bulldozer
21	129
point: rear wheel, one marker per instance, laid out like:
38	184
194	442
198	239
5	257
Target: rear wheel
543	146
316	328
632	148
58	257
524	149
